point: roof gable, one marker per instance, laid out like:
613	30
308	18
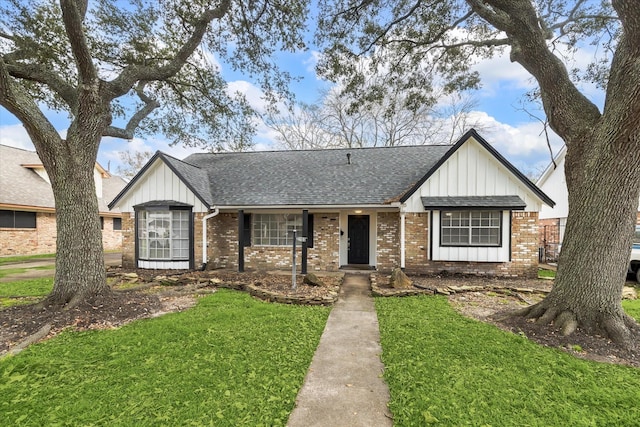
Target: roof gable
193	179
332	177
473	135
25	183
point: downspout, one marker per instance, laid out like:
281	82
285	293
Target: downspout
215	212
402	237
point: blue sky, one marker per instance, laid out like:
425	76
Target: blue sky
515	134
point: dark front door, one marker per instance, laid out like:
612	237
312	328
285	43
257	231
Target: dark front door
358	252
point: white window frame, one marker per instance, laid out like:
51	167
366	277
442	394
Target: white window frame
477	228
171	234
274	229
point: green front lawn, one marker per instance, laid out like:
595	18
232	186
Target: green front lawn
24	291
447	370
231	360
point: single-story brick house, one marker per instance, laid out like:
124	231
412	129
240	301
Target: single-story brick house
553	219
27	206
460	208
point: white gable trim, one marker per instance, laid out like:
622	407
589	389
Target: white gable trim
472	171
159	182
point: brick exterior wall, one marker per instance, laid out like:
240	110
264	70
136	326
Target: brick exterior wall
42	239
524	250
416	232
223	246
388	240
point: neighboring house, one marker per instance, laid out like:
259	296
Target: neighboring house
458	208
553	219
27	207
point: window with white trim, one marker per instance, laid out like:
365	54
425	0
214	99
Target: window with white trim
470	228
163	235
275	229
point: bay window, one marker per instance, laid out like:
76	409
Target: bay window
164	234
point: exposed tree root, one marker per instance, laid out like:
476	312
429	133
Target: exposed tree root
619	329
33	338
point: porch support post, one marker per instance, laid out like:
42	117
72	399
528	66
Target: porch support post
241	241
305	233
402	238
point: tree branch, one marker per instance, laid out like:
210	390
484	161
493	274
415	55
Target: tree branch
73	16
38	73
132	73
570	113
15	98
129	130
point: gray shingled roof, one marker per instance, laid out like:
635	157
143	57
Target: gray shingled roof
468	202
314	177
22	186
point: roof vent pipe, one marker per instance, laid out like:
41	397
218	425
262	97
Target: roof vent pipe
348	158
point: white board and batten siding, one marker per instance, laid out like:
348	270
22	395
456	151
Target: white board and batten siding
472	171
160	183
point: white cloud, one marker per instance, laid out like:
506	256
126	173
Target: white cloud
523	144
15	136
254	95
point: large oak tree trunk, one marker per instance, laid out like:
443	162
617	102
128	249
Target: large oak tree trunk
603	199
80	270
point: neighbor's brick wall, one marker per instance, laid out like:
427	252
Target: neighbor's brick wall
30	241
128	240
223	246
111	239
42	239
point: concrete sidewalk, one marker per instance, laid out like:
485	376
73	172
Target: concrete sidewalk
344	385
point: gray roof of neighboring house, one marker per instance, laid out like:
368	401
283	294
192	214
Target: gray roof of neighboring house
24	187
371	176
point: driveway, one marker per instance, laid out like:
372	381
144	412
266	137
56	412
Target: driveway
110	259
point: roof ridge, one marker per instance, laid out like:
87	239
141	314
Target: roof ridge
223	153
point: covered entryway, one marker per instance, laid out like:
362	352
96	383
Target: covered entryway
358	243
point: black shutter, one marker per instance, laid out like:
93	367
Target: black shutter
310	231
247	229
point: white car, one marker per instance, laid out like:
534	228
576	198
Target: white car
634	264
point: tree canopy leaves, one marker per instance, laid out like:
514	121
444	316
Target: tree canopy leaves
157	61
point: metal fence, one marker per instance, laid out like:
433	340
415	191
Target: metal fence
550	242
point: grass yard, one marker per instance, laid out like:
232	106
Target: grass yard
8	271
231	360
24	291
447	370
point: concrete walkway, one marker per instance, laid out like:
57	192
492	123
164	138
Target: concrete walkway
344	385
